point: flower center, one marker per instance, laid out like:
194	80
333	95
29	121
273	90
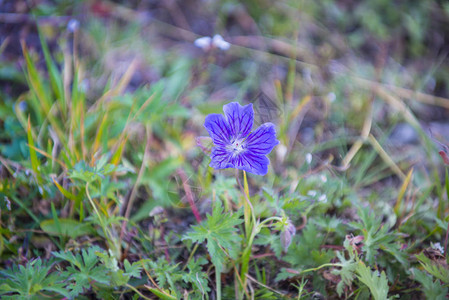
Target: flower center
238	146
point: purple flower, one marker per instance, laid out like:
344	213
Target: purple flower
234	145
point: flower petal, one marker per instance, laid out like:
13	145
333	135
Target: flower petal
220	158
218	129
252	163
220	43
203	42
262	140
240	119
247	161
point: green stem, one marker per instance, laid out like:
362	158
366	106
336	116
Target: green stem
218	282
320	267
190	256
247	252
137	292
247	207
270	219
102	224
250	230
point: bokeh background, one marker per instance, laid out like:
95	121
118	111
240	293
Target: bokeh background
359	92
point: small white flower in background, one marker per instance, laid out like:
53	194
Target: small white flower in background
156	211
203	42
331	97
437	246
309	158
206	43
323	178
322	198
73	25
311	193
8	203
220	43
281	152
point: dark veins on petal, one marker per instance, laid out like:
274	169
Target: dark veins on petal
231	149
249	157
220	155
240	118
218	129
262	140
240	131
221	135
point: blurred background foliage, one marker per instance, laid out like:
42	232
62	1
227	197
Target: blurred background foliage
101	102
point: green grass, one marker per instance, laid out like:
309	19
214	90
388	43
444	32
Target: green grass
104	192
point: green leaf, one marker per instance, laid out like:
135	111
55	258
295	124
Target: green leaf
431	289
305	250
164	272
35	163
378	236
118	276
196	276
54	74
348	268
67	227
377	283
220	233
133	270
84	270
440	271
31	280
265	237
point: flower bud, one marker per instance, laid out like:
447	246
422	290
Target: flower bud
287	235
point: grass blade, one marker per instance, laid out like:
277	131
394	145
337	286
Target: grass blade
402	192
35	163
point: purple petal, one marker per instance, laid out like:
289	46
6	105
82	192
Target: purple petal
250	162
220	158
218	129
240	119
247	161
262	140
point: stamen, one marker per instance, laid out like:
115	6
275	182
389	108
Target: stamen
237	146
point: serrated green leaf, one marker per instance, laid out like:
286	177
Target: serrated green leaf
432	289
84	269
31	280
347	271
377	283
378	236
305	250
440	271
220	232
196	276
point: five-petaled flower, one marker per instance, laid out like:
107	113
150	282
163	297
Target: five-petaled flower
235	146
